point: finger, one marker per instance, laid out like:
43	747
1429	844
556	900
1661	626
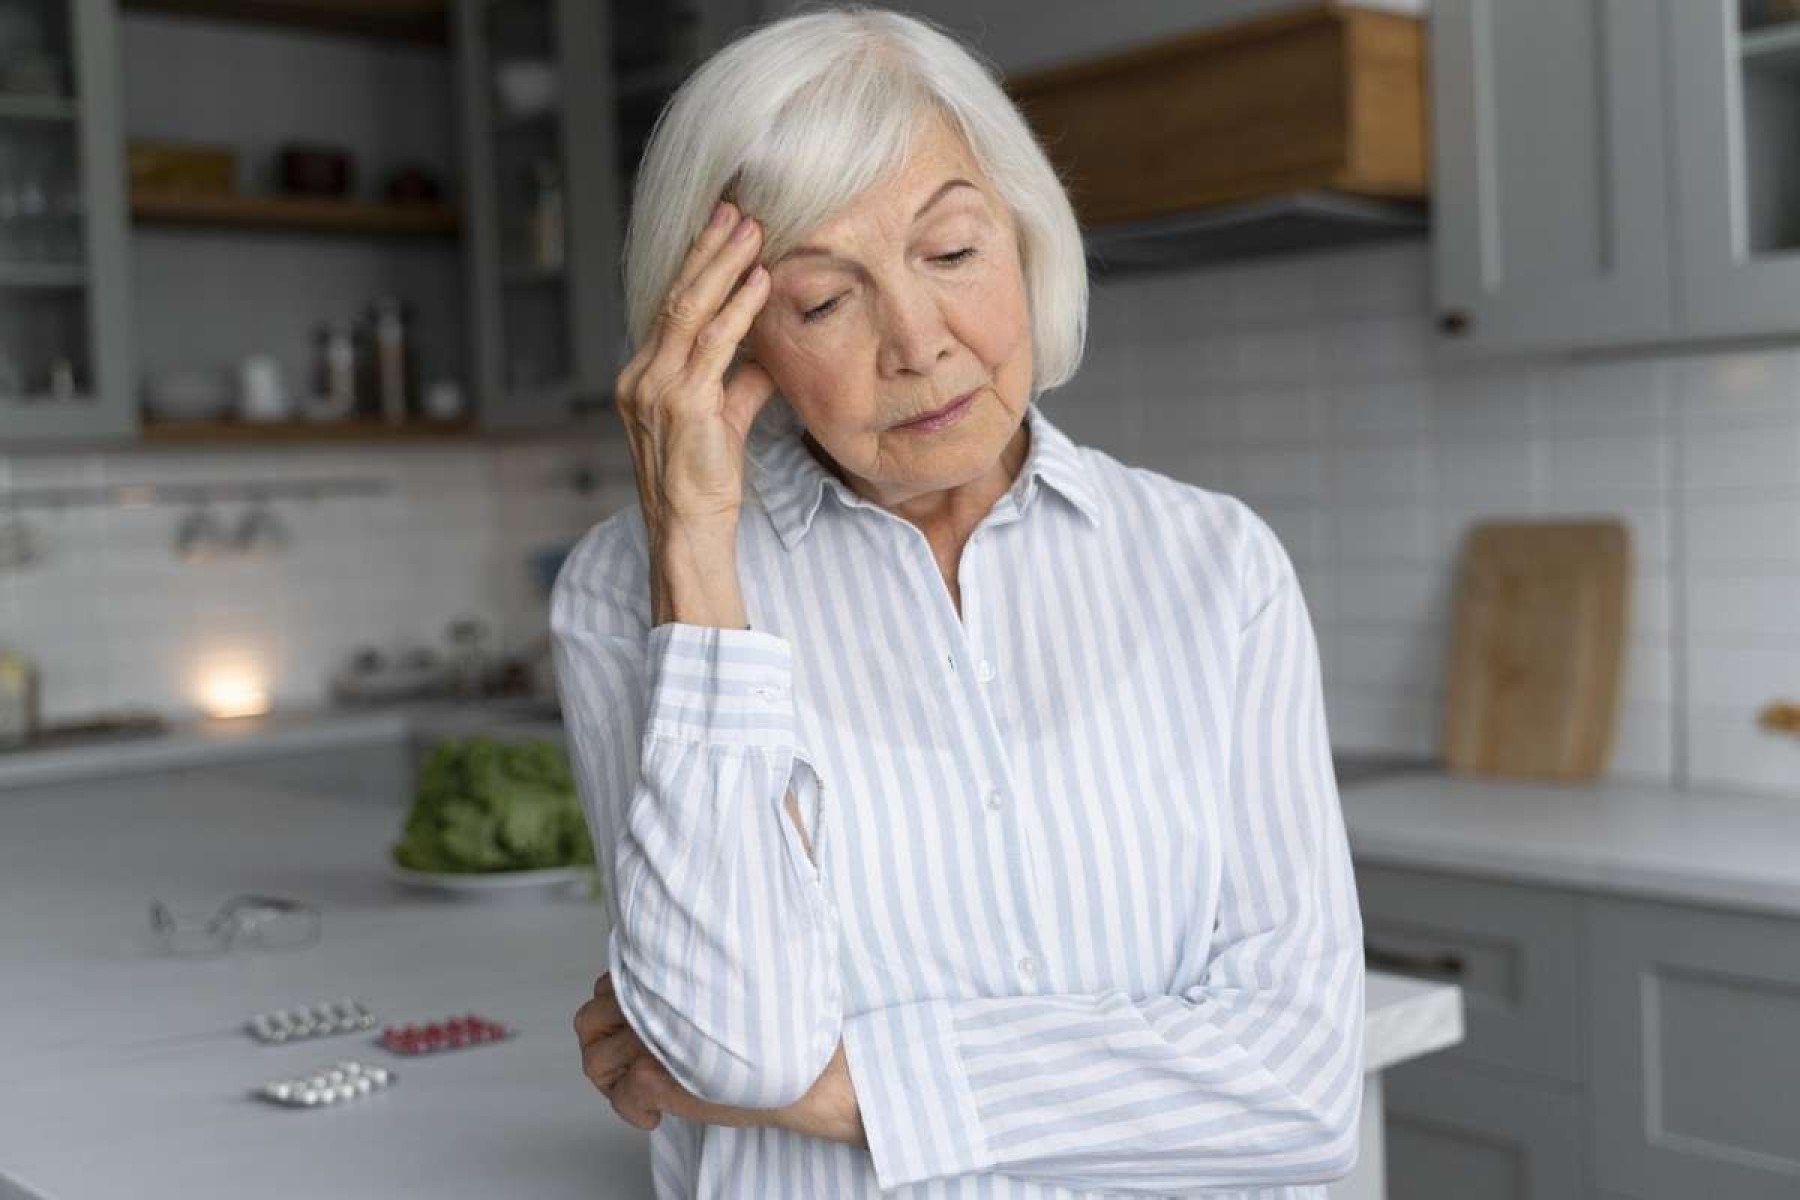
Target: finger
598	1018
715	343
687	309
706	243
602	1060
712	235
603	986
748	389
636	1097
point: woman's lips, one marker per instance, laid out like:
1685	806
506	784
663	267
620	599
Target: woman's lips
942	417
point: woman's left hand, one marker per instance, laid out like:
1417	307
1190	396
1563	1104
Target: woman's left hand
641	1089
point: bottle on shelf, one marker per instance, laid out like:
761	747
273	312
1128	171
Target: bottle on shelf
389	371
545	237
334	374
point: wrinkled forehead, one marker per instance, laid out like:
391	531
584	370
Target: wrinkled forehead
820	157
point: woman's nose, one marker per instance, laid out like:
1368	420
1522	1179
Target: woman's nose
914	334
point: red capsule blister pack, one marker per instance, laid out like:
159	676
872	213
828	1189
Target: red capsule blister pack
452	1033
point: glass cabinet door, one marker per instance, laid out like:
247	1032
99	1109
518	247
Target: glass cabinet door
560	97
1736	115
63	358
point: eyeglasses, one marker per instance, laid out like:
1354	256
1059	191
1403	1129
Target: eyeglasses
265	922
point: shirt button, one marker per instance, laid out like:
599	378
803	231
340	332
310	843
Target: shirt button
1027	965
995	799
986	671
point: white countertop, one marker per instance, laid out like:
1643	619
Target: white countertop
207	742
123	1072
1711	848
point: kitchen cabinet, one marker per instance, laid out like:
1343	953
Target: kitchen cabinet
64	327
1514	951
1735	104
1503	1112
1550	174
1478	1137
549	317
1695	1052
1609	173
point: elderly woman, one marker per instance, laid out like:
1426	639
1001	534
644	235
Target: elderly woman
964	794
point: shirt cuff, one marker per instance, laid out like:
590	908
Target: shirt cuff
721	686
917	1110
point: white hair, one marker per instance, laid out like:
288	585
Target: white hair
796	118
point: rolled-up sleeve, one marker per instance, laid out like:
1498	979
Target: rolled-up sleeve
1249	1075
723	950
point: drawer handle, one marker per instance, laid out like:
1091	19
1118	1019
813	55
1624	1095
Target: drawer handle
1449	966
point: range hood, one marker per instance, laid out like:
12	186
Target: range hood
1297	131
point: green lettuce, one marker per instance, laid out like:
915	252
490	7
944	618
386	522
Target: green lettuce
483	804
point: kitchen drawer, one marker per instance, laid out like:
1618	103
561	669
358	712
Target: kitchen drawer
1458	1131
1513	950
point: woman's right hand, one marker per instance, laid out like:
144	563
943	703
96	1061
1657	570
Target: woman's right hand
686	423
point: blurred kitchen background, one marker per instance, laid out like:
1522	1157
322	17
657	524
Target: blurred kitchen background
309	316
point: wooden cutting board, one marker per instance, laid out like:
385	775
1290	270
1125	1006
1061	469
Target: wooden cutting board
1537	648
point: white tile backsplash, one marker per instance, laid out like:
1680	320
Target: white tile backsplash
1308	385
1370	454
114	619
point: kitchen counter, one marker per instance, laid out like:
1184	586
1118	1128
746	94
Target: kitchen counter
124	1072
1734	851
210	742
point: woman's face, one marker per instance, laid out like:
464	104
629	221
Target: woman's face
908	298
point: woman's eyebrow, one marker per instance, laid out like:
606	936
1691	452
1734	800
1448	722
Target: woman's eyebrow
948	186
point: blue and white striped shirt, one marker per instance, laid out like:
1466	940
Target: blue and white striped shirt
1082	913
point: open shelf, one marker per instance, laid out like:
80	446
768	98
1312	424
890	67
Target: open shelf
37	108
296	213
422	21
362	429
1775	46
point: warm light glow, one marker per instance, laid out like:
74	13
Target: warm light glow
233	692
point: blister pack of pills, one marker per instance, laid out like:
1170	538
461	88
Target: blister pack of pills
310	1021
453	1033
347	1080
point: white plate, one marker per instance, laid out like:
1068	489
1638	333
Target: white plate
577	881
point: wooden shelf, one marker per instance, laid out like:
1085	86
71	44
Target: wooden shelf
37	108
42	275
296	213
424	22
363	429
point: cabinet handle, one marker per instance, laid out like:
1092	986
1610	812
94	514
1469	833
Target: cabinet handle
1456	321
1435	965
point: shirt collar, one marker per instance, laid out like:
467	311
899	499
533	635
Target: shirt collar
790	482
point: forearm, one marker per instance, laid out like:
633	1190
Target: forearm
694	575
724	948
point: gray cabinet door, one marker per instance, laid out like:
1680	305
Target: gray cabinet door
64	279
1696	1050
1550	187
1456	1132
1514	950
1736	117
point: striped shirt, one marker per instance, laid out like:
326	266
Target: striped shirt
1082	910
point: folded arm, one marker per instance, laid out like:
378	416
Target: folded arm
724	944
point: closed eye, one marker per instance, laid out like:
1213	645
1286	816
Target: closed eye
954	258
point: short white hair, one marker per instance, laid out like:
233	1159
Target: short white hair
797	117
